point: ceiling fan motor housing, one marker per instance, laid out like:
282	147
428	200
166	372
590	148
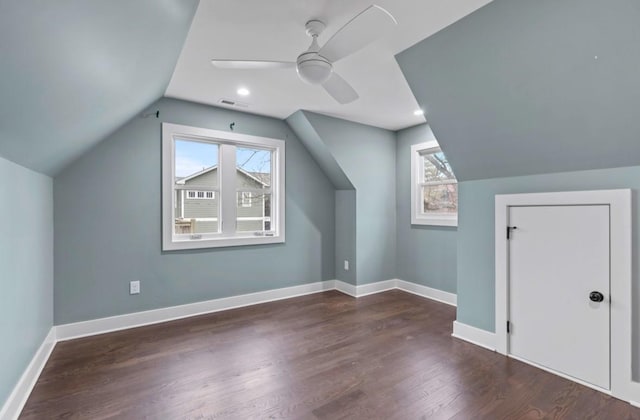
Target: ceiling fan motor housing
311	66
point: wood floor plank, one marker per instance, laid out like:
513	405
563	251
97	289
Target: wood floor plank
322	356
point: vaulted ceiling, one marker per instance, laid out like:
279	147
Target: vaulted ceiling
74	70
274	30
517	87
526	87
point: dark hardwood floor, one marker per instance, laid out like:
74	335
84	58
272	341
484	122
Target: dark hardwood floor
323	356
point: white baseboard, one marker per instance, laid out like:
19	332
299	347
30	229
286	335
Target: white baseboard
634	391
18	398
346	288
156	316
364	289
406	286
474	335
428	292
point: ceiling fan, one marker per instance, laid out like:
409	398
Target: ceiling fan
315	65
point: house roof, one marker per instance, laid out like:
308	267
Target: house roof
253	175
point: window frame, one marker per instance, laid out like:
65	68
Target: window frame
227	211
417	182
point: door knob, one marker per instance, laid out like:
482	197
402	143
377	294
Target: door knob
596	297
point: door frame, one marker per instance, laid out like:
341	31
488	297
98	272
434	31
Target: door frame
619	202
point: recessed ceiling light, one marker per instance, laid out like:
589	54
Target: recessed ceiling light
243	91
418	112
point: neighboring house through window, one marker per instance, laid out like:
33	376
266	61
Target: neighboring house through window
434	188
202	195
221	188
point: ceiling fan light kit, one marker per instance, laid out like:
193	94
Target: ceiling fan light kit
315	65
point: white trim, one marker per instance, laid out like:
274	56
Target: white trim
474	335
560	374
346	288
619	201
635	391
18	398
365	289
227	142
155	316
392	284
428	292
417	217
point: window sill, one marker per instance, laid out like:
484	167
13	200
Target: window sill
222	242
435	221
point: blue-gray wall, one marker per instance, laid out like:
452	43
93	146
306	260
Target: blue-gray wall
345	196
346	236
366	155
300	125
425	254
476	249
515	88
26	261
107	224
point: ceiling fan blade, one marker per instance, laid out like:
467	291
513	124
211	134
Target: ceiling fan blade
340	89
252	64
360	31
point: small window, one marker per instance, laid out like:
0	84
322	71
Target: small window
434	188
201	195
246	199
221	188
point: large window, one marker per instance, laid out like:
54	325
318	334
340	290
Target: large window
220	188
434	189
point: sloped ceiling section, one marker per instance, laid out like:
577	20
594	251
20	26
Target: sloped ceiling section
299	123
524	87
74	70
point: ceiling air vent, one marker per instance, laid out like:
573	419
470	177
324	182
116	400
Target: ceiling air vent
229	102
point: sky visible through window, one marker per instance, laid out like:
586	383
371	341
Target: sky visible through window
194	156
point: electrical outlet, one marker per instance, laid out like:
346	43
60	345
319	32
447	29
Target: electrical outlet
346	265
134	287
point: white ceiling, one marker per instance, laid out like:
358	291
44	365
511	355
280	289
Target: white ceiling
274	30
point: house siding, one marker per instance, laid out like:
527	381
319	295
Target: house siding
198	208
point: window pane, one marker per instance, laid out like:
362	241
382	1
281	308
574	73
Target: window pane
196	166
195	215
440	199
254	167
437	168
253	212
196	163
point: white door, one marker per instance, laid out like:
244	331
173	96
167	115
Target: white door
558	256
